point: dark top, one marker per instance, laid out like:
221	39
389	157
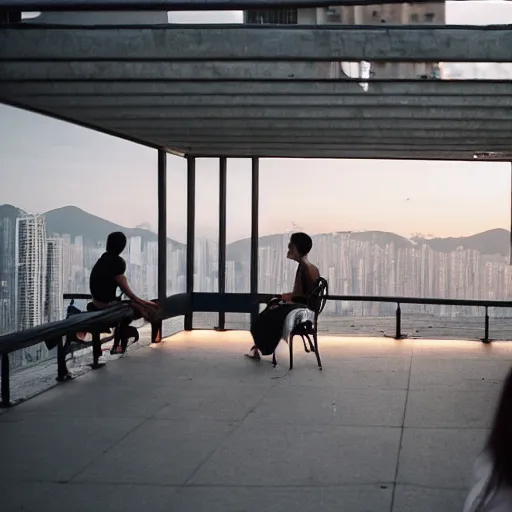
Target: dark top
102	282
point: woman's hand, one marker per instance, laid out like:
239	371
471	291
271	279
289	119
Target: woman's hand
148	303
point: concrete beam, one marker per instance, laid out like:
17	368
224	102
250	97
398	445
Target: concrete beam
330	142
292	87
377	145
401	43
177	5
263	101
158	71
351	154
106	114
353	124
305	134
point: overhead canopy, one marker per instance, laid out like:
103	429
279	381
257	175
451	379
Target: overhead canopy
264	91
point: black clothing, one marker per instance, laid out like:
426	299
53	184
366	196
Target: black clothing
268	327
102	283
122	331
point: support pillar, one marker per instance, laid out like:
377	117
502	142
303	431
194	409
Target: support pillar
156	329
255	180
222	235
162	225
191	221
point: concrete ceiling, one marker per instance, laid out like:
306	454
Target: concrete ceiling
257	91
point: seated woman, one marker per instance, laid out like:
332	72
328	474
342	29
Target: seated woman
107	276
492	486
268	328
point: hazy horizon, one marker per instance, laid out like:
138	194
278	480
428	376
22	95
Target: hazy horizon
116	180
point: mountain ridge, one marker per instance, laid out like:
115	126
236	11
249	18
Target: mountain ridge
74	221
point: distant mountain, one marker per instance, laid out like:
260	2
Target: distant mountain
76	222
494	241
8	211
73	221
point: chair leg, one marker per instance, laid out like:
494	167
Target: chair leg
311	345
317	353
305	345
274	360
290	347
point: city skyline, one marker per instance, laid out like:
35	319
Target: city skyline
40	263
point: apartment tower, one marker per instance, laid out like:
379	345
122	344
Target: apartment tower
54	306
30	279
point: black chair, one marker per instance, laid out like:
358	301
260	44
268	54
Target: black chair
308	330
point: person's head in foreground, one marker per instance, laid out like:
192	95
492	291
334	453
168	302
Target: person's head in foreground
493	472
299	246
499	443
116	242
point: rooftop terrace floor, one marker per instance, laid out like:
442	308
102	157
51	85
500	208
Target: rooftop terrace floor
190	425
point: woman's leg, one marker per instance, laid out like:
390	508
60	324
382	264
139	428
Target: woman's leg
254	353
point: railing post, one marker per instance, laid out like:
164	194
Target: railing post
486	339
62	369
156	331
5	385
96	351
398	332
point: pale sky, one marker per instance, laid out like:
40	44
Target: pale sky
47	164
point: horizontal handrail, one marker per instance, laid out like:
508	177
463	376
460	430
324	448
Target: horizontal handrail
423	300
229	302
77	296
53	330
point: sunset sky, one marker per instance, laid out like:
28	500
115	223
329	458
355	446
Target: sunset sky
46	164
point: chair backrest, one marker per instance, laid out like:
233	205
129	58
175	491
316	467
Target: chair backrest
318	297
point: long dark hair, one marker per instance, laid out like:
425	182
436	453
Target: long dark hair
499	443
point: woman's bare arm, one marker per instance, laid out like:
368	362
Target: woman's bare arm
125	288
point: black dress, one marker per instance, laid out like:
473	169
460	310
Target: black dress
268	327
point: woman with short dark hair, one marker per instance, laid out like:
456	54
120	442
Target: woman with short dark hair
492	487
268	328
107	275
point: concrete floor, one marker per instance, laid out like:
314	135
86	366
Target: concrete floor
190	425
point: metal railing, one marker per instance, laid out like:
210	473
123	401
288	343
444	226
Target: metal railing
54	332
427	301
182	304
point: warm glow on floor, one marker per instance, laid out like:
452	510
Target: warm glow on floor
217	340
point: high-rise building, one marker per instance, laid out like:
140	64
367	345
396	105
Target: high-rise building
54	280
31	259
391	14
8	217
